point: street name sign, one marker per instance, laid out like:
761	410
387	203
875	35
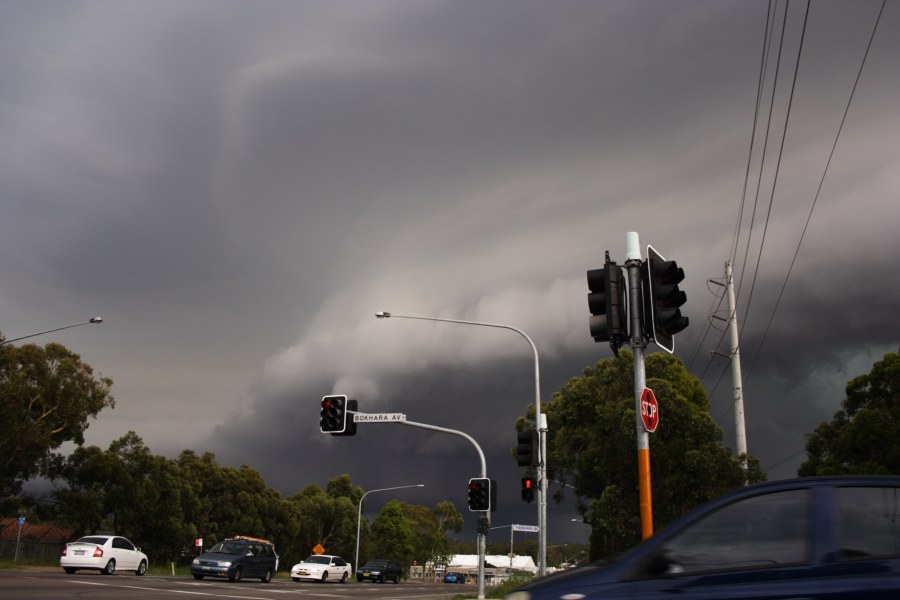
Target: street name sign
378	417
528	528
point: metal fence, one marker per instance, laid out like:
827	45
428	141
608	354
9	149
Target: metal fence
31	551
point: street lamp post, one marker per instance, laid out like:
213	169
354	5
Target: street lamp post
91	320
541	421
359	515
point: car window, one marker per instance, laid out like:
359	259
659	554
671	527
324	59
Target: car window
867	522
339	562
757	532
229	548
122	544
93	540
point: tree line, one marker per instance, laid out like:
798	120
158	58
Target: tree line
165	504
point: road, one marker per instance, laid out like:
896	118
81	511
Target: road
28	584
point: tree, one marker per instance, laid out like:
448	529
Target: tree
46	395
430	528
864	436
394	534
591	445
326	519
129	491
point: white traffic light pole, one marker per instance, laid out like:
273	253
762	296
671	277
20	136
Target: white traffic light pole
633	265
400	419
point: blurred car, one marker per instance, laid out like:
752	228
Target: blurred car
816	537
379	570
455	578
104	553
236	558
321	568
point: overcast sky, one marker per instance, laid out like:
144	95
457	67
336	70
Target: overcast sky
237	187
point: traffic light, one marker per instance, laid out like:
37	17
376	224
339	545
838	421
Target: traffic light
662	299
482	494
609	312
333	416
350	428
528	449
528	486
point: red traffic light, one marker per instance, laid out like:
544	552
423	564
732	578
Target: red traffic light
528	486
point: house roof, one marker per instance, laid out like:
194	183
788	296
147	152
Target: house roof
499	561
9	531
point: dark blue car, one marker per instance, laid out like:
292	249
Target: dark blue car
817	537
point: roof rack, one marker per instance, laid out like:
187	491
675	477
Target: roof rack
251	539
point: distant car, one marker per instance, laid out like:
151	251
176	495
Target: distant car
455	578
379	570
238	558
104	553
812	538
322	568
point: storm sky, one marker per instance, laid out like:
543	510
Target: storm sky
238	186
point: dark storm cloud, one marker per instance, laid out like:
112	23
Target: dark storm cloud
238	187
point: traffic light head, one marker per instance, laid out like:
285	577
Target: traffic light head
333	415
480	494
606	301
662	299
529	484
527	449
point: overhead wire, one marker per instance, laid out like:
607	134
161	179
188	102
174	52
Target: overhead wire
717	301
819	189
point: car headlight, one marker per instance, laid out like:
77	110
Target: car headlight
518	596
375	572
224	563
196	561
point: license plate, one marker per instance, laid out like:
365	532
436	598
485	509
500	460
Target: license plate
79	553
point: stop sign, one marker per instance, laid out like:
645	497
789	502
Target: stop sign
649	410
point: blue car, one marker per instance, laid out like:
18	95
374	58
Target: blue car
455	578
816	537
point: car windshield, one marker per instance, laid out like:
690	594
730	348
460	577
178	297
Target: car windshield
319	560
377	563
92	540
229	548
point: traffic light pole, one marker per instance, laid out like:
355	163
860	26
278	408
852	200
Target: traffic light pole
633	266
481	540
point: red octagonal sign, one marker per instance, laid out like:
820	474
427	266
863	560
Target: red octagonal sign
649	410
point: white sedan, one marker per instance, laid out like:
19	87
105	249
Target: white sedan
322	568
104	553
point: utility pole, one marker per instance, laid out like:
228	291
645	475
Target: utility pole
734	355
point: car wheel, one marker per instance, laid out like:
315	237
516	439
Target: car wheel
396	579
142	568
198	577
324	577
236	576
110	567
359	579
344	577
296	579
69	570
268	576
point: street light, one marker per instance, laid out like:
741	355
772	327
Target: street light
88	322
541	426
359	515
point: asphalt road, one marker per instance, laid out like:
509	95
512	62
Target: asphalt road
28	584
